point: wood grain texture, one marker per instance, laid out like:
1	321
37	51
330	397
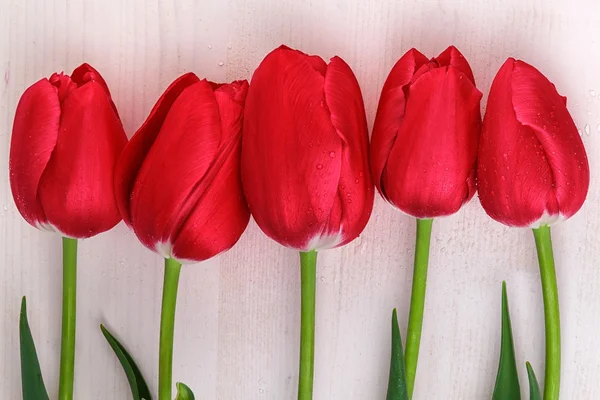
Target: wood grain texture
238	315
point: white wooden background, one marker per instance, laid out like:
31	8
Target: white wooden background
238	315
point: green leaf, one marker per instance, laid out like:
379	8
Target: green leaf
534	388
397	389
507	381
139	388
184	392
31	373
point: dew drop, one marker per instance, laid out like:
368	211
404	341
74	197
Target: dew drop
361	174
221	63
332	154
319	166
230	47
505	155
357	180
261	391
503	177
580	132
593	93
322	279
587	129
5	207
349	201
598	128
210	46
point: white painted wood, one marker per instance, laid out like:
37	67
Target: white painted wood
238	315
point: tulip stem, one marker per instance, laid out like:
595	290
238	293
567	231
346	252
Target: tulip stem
417	301
543	243
167	329
69	306
308	278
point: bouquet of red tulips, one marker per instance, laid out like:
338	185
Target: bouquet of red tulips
292	150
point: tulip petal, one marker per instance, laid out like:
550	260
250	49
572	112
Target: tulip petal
135	152
354	200
454	58
220	215
188	142
34	136
86	73
429	171
76	188
390	111
215	213
538	105
514	176
290	178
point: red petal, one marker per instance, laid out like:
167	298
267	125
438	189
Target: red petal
429	170
513	173
355	193
452	57
76	188
391	111
138	147
220	215
290	179
34	136
538	105
177	161
86	73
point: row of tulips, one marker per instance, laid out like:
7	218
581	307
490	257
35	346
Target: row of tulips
188	180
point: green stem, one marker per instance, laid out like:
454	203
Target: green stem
417	301
69	306
167	329
543	243
308	276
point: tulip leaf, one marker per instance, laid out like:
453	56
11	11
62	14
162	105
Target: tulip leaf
397	389
31	373
139	388
534	389
184	392
507	380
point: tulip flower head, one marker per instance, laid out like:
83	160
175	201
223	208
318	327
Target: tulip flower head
533	169
305	151
178	180
67	137
426	132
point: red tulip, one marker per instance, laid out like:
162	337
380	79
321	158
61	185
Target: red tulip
178	180
305	151
66	139
424	143
532	164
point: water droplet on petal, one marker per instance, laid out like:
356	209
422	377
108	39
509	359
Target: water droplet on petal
319	166
210	46
357	180
587	129
593	93
221	63
332	154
